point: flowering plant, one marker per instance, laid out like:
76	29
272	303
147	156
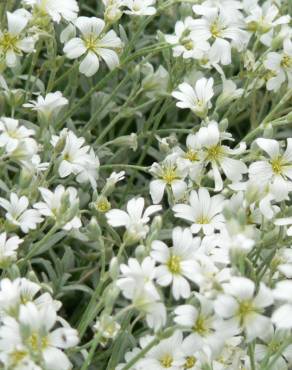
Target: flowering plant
145	184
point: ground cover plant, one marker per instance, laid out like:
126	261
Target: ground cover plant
145	184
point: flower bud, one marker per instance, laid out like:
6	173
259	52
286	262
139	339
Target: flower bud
111	294
114	268
248	60
140	252
129	141
112	13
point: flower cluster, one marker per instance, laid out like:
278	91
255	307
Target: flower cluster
29	338
146	182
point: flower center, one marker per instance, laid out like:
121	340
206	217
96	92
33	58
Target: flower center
191	155
9	42
202	220
36	343
17	356
103	205
277	166
245	308
214	153
169	175
286	62
173	264
188	43
166	361
215	29
14	134
190	362
136	7
200	326
274	346
263	25
91	42
67	157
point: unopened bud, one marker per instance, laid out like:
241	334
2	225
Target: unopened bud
114	268
129	141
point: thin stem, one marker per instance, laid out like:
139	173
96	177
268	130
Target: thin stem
130	166
93	347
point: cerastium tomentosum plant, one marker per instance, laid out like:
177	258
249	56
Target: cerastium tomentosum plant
145	184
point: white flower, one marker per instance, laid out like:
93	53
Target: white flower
185	41
153	308
25	152
263	19
8	248
285	221
14	293
57	10
176	262
273	340
219	155
53	206
48	106
35	328
169	175
143	342
18	213
242	305
191	158
275	171
35	165
111	181
230	8
282	316
12	42
197	99
215	25
113	10
167	354
201	322
139	7
206	274
282	262
134	274
79	160
134	220
204	212
107	326
94	45
11	133
280	67
229	93
156	82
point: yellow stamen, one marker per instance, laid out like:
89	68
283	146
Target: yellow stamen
200	326
277	166
214	153
166	361
9	42
173	264
169	175
190	362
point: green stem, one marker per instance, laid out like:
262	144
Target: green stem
100	109
121	166
283	101
93	347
